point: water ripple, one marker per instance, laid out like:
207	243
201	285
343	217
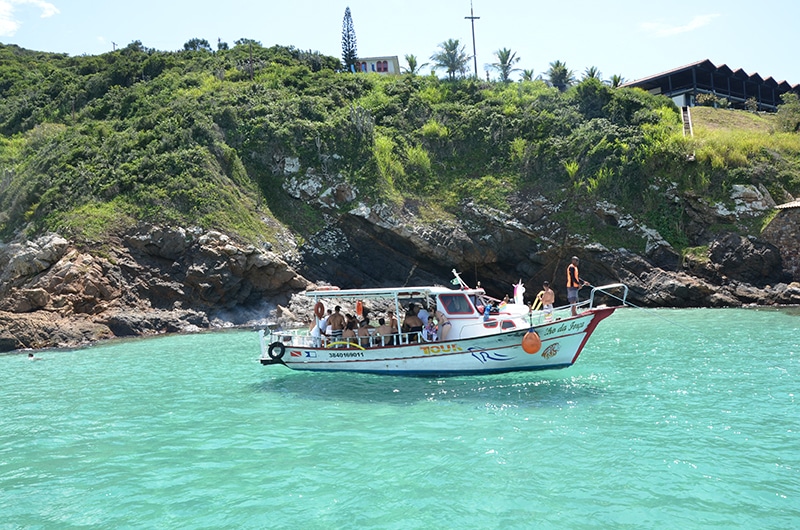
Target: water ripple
686	422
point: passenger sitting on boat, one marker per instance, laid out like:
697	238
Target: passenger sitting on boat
391	321
423	314
412	324
336	322
323	323
384	333
429	332
316	336
349	333
364	333
444	325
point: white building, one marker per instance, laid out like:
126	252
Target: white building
380	65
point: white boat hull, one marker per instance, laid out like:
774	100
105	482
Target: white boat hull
561	343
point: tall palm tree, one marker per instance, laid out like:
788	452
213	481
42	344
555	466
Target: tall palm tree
506	59
528	75
616	80
451	58
592	72
413	66
560	76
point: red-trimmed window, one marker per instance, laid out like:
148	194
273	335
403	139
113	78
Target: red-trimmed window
456	304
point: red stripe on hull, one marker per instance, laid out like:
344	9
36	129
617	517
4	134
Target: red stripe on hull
599	314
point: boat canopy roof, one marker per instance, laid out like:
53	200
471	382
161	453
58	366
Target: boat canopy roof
389	292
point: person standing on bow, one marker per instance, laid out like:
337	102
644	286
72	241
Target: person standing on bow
574	283
546	298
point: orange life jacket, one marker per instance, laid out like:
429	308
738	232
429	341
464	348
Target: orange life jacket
572	278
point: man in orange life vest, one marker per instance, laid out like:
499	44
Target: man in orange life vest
574	282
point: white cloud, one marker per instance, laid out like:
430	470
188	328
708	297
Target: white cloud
9	24
659	29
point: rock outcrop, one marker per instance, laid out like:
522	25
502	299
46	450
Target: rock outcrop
155	280
167	279
784	232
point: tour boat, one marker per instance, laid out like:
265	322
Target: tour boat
476	334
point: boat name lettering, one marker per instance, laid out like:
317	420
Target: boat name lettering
345	354
565	327
441	348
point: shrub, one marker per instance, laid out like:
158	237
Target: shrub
706	100
434	130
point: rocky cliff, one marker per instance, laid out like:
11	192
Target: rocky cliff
161	279
154	280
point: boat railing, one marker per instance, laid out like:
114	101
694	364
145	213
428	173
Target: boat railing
541	317
604	289
559	313
300	338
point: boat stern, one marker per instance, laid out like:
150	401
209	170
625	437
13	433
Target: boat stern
272	351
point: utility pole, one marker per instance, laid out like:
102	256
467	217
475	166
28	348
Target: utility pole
472	18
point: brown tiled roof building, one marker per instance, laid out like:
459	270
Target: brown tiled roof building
683	84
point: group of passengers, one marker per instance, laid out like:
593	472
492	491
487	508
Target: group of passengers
346	328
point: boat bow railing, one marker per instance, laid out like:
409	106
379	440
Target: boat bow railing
604	289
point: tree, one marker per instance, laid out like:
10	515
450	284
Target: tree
592	72
197	45
506	59
413	66
706	100
349	52
560	76
451	58
789	112
247	42
616	81
527	75
592	96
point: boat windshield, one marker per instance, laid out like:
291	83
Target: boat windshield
456	304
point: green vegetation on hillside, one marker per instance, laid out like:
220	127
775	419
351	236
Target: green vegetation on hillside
738	147
90	145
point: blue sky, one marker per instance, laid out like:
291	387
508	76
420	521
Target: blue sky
630	38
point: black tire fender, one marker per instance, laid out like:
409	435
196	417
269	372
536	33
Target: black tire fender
276	351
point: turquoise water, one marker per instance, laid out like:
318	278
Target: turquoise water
670	419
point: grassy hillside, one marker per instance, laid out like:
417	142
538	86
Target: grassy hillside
740	147
730	120
92	144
